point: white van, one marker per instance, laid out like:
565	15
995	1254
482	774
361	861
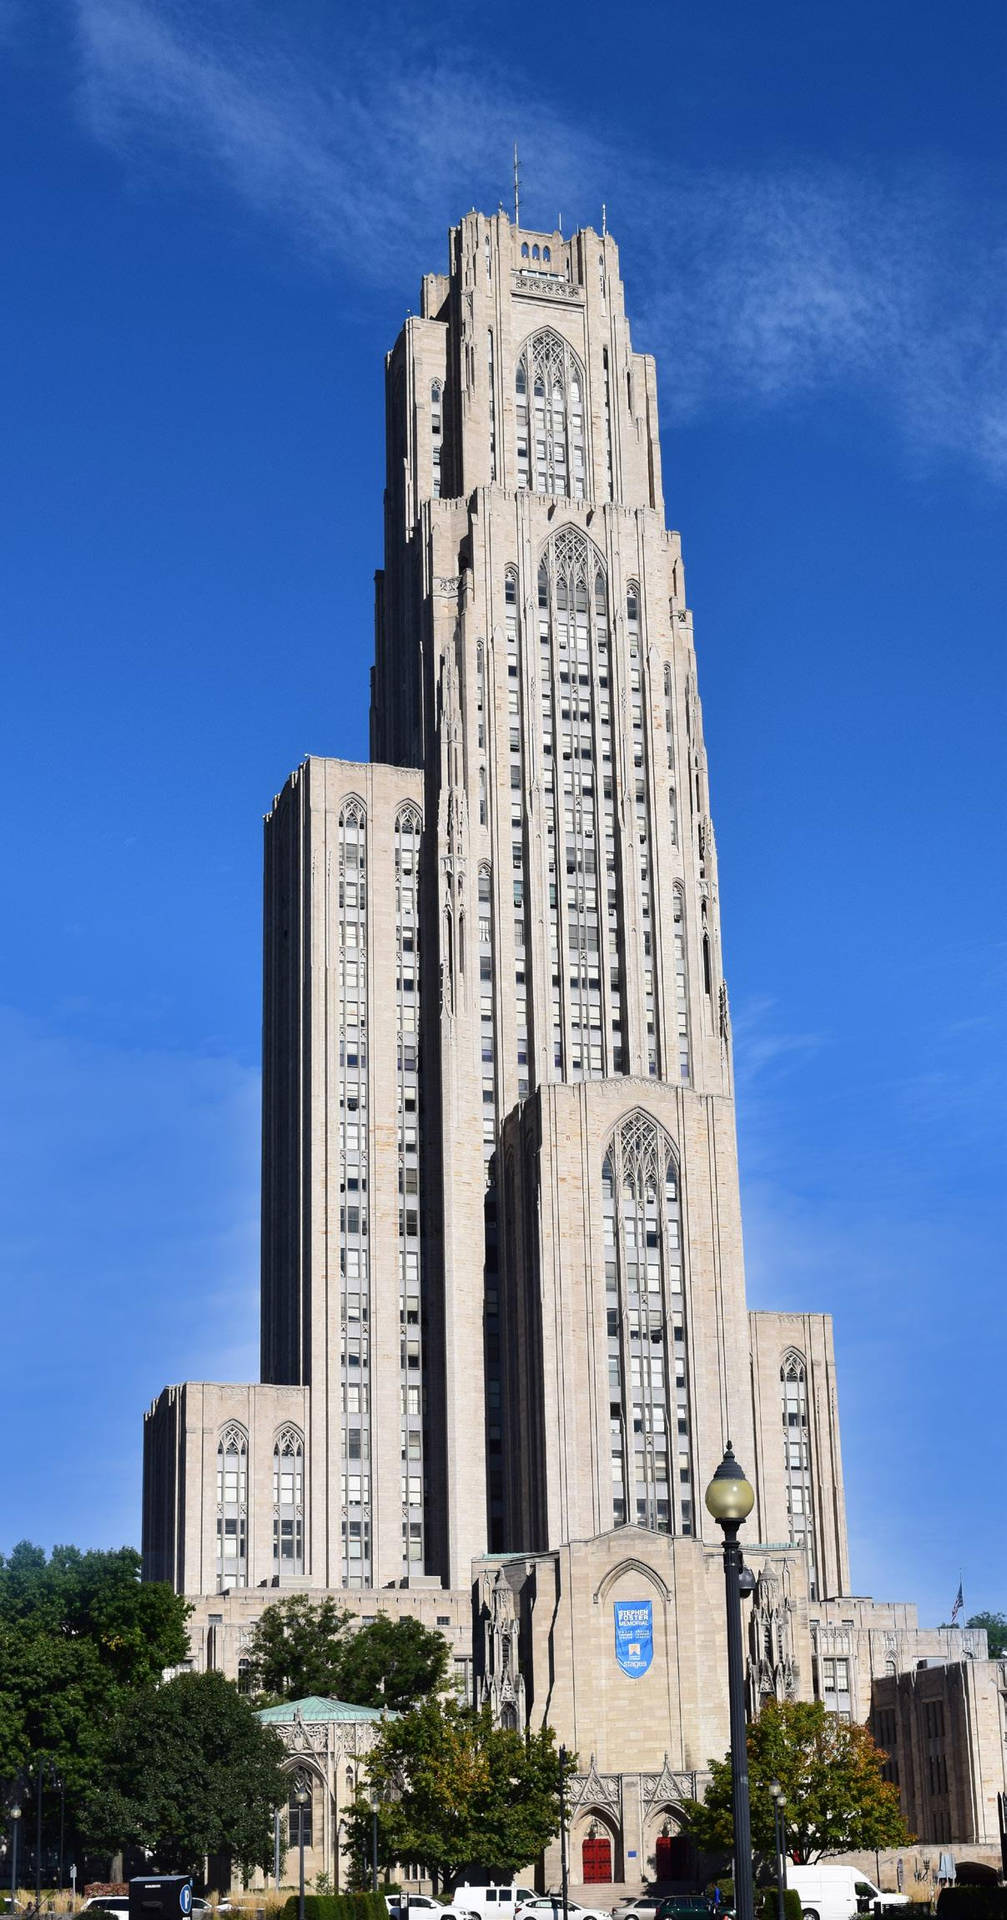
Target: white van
837	1893
491	1903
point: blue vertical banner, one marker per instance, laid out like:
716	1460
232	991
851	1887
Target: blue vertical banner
634	1636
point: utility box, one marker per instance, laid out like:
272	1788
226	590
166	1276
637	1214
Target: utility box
161	1896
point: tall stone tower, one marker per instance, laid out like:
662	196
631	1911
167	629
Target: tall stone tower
502	1258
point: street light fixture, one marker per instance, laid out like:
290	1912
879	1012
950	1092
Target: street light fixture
302	1795
15	1814
780	1835
730	1499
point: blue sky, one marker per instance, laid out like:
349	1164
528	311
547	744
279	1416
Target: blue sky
220	213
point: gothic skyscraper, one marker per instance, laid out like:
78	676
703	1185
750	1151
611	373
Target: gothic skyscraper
504	1329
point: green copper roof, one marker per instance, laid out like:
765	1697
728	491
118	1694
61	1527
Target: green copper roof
317	1708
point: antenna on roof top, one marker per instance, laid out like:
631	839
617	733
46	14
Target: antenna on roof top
604	219
517	190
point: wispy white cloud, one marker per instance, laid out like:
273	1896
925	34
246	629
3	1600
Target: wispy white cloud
753	288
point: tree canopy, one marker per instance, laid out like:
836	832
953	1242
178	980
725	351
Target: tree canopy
190	1770
996	1631
830	1772
78	1634
300	1646
455	1791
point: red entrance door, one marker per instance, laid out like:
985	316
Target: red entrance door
597	1861
671	1857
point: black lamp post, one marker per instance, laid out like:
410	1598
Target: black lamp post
15	1818
375	1802
780	1833
302	1796
564	1851
730	1499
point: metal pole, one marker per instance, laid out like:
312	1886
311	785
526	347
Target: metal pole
564	1865
276	1848
15	1823
374	1847
38	1836
744	1904
778	1831
300	1838
62	1812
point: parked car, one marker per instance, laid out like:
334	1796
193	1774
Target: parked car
644	1908
549	1906
422	1903
685	1906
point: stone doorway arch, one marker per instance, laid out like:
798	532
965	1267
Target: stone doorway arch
595	1848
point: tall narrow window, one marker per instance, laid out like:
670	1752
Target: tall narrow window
644	852
609	456
408	829
651	1436
585	947
232	1507
436	435
550	390
517	819
354	1238
669	715
681	984
288	1502
797	1460
491	375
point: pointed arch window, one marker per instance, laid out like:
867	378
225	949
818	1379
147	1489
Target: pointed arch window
797	1459
651	1439
436	435
354	1199
408	841
288	1501
584	899
232	1506
550	390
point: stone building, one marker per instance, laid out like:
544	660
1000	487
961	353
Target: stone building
504	1333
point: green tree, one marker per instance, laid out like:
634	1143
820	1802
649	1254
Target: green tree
189	1770
391	1663
996	1631
301	1646
79	1633
455	1791
830	1772
295	1647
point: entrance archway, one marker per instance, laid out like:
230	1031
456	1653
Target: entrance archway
596	1860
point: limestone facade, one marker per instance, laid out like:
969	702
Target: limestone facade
504	1330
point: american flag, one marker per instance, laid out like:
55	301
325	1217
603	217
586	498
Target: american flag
959	1603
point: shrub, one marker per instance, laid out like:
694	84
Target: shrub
972	1903
338	1906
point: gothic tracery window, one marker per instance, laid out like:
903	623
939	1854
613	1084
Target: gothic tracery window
232	1507
288	1501
651	1441
797	1459
584	904
550	390
354	1237
408	830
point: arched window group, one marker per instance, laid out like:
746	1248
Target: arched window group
232	1507
408	831
288	1501
354	1199
575	701
550	395
651	1444
797	1459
